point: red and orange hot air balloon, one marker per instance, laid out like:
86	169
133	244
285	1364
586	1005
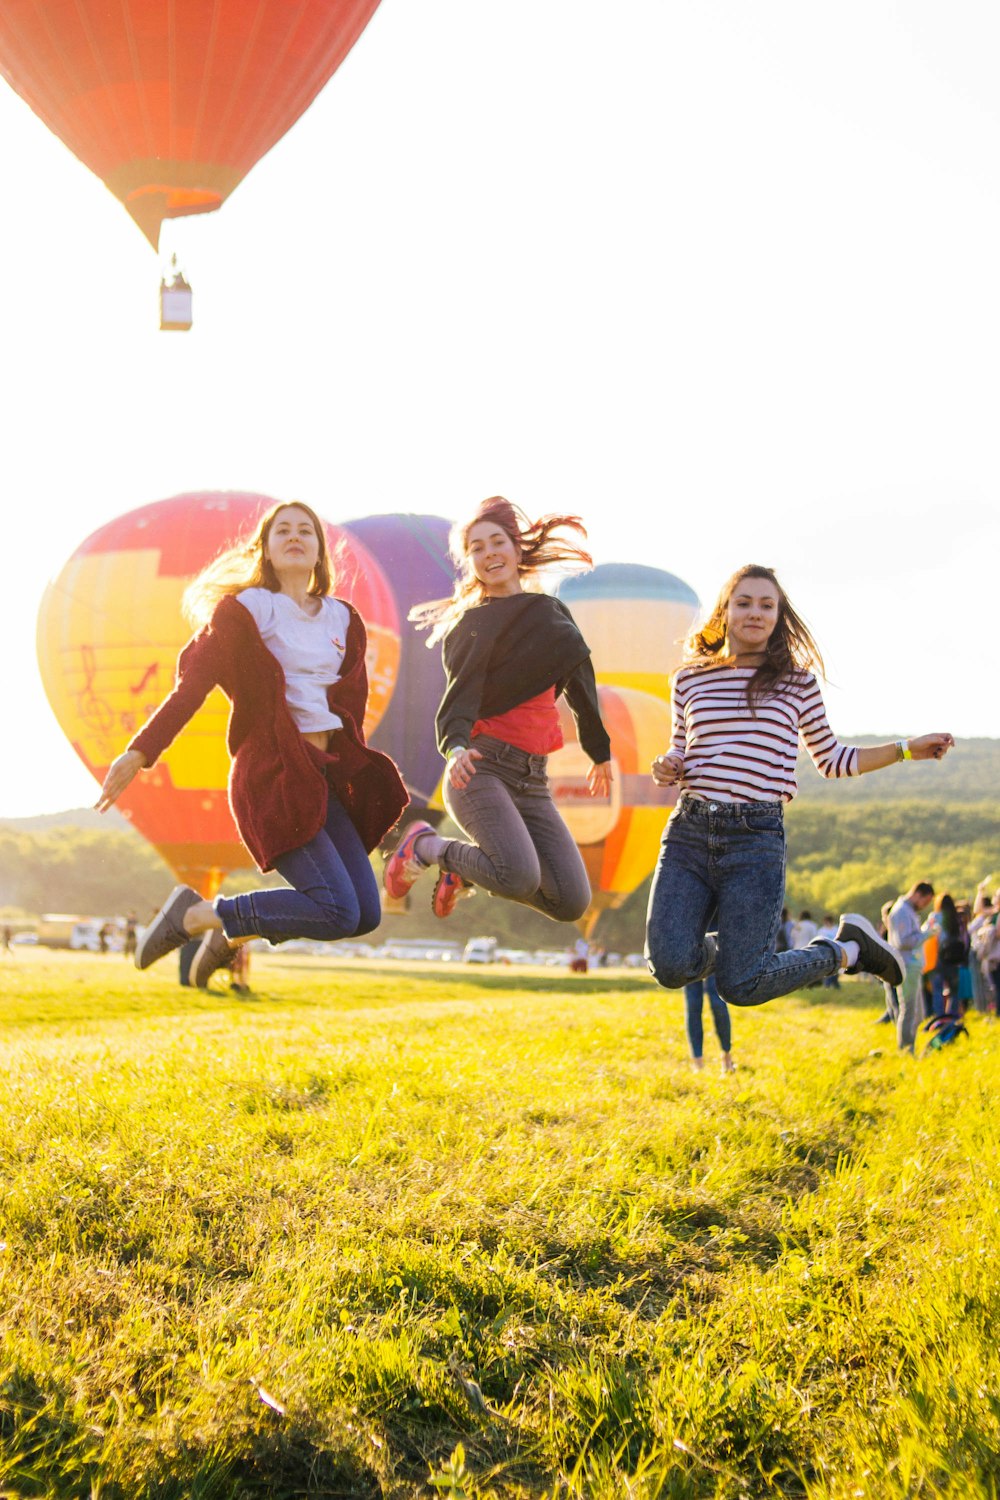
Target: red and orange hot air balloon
109	631
171	102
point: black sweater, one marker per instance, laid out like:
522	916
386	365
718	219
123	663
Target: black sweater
505	651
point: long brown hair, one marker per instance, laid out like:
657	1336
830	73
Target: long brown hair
246	565
540	547
790	652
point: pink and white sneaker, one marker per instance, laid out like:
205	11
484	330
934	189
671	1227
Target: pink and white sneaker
450	888
403	865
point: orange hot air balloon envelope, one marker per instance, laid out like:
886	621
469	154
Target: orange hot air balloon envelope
109	632
171	102
618	836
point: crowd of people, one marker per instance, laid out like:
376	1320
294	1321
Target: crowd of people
951	950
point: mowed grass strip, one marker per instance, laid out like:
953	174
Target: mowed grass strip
395	1232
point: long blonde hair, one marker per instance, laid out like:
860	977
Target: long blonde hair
540	547
790	651
246	565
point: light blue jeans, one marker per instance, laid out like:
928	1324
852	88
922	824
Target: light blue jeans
725	862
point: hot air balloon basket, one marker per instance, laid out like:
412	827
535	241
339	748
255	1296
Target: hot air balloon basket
175	304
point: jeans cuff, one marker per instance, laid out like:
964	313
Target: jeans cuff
230	913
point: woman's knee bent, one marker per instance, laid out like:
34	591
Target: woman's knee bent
737	989
671	966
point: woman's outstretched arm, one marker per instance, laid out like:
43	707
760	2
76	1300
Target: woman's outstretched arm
196	676
924	747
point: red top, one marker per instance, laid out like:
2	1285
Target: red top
533	726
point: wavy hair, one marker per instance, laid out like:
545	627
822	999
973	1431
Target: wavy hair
790	652
540	544
245	565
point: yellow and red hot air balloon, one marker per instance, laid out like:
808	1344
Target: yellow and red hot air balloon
171	104
634	619
109	631
618	836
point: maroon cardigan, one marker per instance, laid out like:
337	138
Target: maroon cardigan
278	781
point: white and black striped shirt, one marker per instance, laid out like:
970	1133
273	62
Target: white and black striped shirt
730	754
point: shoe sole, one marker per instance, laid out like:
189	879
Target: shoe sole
161	936
460	894
208	960
862	924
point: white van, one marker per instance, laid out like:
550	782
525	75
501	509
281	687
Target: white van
481	950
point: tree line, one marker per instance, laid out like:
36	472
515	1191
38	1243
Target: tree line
842	856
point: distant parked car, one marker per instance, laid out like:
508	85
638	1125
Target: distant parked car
480	950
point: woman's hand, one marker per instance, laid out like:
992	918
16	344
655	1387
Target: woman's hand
667	769
931	746
462	767
599	779
120	773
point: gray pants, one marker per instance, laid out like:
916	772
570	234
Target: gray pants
911	1006
521	848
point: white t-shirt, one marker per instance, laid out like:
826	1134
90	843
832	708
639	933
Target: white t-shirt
310	649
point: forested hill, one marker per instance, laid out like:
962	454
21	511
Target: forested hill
969	773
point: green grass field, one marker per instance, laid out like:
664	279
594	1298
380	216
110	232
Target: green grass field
395	1232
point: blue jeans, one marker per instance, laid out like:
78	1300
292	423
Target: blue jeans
694	995
725	861
945	977
334	891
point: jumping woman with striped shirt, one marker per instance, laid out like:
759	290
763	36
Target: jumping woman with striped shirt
741	702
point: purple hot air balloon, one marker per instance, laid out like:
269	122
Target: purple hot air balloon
413	554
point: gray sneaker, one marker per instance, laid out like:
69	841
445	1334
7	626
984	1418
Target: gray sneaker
165	932
875	955
215	952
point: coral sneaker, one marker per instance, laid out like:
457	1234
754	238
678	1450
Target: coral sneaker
449	889
403	865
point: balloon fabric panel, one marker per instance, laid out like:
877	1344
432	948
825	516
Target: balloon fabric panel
412	551
172	104
109	632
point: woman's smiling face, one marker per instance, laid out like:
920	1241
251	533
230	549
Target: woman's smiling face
494	559
751	616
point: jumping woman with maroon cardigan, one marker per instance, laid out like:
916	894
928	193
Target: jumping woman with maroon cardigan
509	653
310	799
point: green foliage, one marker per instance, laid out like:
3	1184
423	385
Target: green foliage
85	871
485	1235
852	845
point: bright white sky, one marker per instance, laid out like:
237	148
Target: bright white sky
721	277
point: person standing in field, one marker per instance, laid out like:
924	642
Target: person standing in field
741	702
951	950
309	797
907	936
694	1000
509	653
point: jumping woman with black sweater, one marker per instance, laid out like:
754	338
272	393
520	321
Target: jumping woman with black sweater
508	655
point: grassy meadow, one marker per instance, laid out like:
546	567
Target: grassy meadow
387	1232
